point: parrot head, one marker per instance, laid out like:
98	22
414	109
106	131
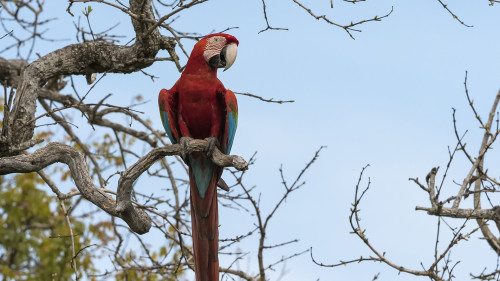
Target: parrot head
216	50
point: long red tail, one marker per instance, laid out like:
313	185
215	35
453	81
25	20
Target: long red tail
205	221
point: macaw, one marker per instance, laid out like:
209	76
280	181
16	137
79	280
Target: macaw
199	106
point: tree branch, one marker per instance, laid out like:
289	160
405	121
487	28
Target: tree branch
83	59
137	219
486	214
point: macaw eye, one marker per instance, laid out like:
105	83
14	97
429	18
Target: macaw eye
216	39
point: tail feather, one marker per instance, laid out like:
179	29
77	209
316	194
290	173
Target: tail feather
205	221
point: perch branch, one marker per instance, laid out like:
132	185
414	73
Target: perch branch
136	218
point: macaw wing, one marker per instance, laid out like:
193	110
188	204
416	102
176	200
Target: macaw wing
231	106
167	101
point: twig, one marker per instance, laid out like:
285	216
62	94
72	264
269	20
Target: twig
347	28
267	21
264	99
68	222
445	6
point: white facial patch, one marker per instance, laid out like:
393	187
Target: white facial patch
214	47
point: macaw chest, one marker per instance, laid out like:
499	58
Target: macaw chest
200	109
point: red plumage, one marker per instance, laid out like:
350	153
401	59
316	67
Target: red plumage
198	106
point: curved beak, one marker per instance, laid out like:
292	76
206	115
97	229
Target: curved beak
230	51
226	57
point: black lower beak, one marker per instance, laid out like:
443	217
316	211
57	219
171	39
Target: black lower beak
219	61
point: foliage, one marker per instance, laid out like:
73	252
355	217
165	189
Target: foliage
34	241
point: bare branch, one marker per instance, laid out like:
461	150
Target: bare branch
267	21
264	99
482	214
348	28
85	58
445	6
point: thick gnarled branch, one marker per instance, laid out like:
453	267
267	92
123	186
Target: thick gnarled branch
125	184
83	59
137	219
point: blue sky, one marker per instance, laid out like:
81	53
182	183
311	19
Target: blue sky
383	99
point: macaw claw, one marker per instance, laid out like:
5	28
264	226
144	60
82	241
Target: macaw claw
212	143
184	144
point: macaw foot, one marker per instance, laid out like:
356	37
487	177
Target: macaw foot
212	143
223	185
184	144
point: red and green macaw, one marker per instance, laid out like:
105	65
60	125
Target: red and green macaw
199	106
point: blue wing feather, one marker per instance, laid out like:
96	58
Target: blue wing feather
232	124
231	118
168	107
166	125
